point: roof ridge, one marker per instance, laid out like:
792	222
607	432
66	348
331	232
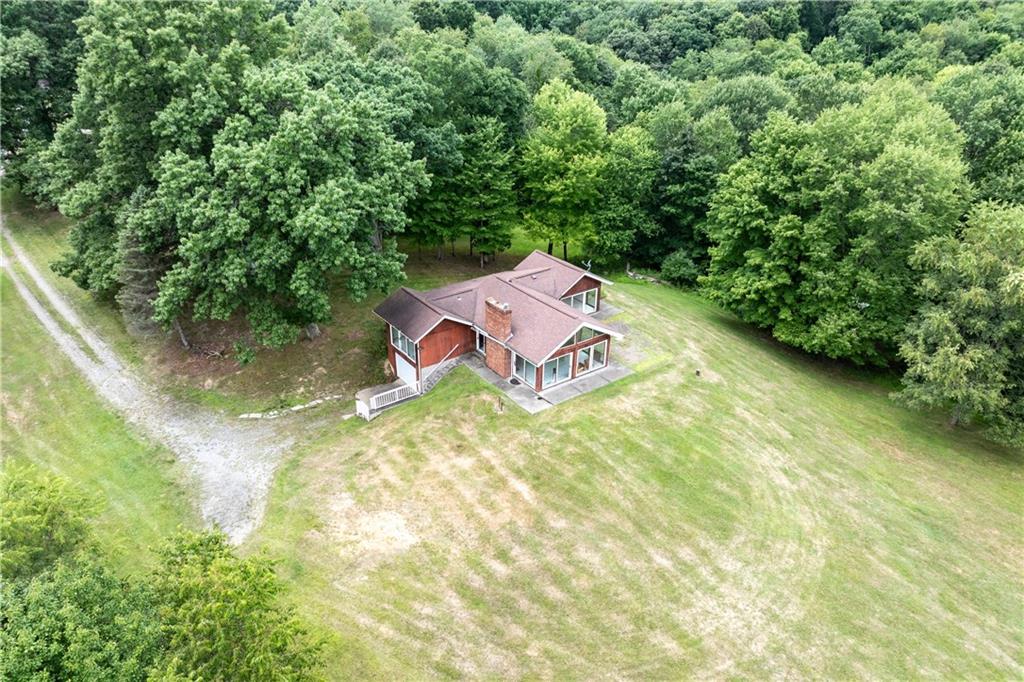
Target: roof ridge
422	299
536	295
560	261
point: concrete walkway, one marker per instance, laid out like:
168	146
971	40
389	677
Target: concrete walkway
534	402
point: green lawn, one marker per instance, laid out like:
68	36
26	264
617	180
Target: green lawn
774	517
53	421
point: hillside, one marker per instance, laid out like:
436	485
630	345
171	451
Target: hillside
774	515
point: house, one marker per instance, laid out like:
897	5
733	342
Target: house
532	325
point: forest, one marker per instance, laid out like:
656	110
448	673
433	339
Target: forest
848	176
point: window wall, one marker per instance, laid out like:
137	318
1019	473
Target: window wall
525	370
557	370
403	343
585	301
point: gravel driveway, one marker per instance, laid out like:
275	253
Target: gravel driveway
231	461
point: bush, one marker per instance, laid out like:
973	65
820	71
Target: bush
679	268
78	621
42	518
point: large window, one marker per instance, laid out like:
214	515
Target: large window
585	301
525	370
591	358
403	343
557	370
584	334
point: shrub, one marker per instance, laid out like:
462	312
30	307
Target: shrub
42	518
679	268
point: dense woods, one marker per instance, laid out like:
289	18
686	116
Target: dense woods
831	172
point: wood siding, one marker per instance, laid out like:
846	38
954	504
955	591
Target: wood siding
437	344
585	284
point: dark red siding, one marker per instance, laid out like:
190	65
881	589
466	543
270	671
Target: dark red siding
585	284
437	344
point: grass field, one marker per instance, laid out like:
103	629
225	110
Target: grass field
53	422
776	516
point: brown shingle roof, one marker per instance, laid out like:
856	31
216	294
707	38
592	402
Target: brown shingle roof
550	275
540	322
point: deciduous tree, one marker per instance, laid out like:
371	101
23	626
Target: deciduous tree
812	233
964	348
563	164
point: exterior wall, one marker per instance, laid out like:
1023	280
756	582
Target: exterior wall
435	346
572	349
585	284
392	352
498	358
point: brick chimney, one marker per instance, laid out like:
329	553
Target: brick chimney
498	320
498	324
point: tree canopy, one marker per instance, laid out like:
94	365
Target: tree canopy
964	348
246	159
812	233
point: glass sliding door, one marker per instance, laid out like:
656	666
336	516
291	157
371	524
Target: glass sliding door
599	355
582	361
557	370
525	370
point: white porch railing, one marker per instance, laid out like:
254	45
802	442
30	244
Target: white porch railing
393	396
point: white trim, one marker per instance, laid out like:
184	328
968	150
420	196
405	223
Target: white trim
597	300
391	339
587	273
533	384
556	360
609	332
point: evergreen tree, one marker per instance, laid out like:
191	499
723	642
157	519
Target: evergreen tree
484	205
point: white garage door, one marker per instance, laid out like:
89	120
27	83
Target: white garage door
406	371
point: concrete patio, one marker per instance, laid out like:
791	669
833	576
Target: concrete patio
534	402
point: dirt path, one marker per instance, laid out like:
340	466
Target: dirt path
231	461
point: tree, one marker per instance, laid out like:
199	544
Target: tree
154	78
964	348
39	49
222	616
42	519
987	102
692	157
78	621
627	195
748	100
434	14
484	205
459	89
562	165
813	231
300	184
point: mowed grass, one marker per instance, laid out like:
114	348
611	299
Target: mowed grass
53	421
774	517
